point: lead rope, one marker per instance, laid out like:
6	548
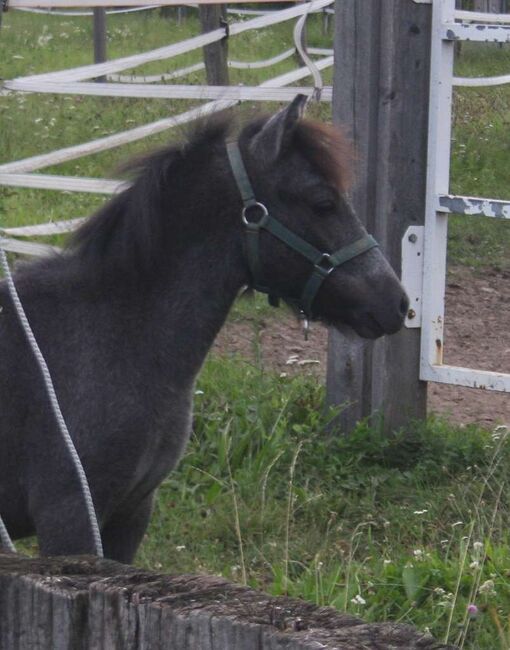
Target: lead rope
52	396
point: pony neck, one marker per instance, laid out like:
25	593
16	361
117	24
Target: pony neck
186	310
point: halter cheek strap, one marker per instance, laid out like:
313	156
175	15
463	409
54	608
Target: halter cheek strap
255	217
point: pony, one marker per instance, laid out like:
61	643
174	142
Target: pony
126	314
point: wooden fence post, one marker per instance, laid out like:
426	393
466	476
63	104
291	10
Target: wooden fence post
99	29
381	90
213	16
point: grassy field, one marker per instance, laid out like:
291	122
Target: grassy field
412	528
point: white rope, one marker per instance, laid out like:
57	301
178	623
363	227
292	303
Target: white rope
301	48
5	538
72	14
168	51
481	81
52	396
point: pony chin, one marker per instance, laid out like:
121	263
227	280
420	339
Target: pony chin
363	324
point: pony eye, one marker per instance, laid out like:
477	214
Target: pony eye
326	206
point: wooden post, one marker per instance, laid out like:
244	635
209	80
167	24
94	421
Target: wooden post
213	16
381	90
99	22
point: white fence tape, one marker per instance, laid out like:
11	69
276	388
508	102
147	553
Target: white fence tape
43	229
64	183
140	132
26	248
168	51
481	17
238	65
72	14
481	81
11	173
238	93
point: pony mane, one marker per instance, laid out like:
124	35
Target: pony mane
129	232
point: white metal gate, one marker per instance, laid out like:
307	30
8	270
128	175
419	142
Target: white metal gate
424	247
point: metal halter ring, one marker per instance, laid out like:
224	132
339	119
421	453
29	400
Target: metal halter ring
256	204
325	258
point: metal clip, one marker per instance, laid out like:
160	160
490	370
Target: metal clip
306	324
226	26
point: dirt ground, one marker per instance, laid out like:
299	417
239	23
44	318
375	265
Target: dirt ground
477	336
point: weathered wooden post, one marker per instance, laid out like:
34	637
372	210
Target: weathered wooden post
99	29
213	16
381	90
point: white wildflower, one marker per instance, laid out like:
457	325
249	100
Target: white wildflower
358	600
487	588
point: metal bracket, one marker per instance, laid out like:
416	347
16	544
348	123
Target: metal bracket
412	272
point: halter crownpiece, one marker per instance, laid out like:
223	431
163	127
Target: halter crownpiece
323	263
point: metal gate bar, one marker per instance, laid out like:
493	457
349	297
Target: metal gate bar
439	203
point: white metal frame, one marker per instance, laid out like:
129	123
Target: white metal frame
439	203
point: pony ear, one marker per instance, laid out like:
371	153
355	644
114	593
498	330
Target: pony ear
276	133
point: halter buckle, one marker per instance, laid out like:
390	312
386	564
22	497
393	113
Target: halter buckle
251	206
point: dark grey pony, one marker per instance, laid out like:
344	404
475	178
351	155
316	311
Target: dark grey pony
126	316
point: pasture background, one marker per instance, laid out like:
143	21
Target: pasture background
412	528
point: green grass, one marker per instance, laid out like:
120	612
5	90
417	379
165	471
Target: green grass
414	524
412	528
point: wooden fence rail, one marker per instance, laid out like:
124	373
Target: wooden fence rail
83	603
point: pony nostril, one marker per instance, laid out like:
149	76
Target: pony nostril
404	305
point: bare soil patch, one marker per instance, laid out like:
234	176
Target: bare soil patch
477	336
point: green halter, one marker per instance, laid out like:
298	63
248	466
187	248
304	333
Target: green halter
323	263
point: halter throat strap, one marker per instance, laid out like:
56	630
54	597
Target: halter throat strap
256	217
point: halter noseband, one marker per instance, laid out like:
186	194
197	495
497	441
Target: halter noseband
323	263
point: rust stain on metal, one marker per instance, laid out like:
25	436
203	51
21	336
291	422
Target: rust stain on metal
439	352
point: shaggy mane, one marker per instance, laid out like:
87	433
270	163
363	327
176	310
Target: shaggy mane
129	232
